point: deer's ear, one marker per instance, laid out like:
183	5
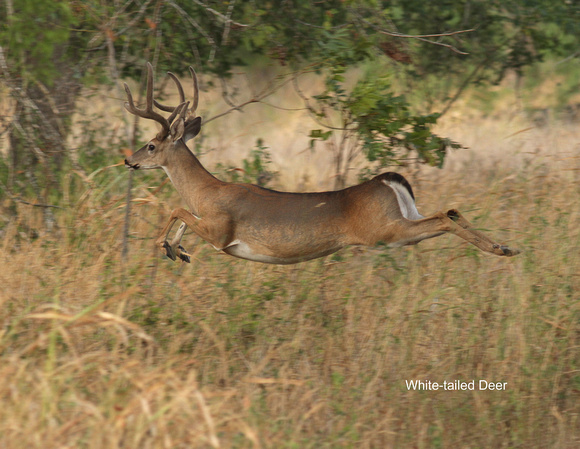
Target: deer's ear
192	128
177	129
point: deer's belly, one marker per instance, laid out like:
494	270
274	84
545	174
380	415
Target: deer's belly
244	251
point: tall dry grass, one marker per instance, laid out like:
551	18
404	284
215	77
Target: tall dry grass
96	352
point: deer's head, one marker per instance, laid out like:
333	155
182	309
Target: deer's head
181	126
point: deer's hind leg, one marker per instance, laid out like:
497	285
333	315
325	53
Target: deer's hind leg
413	231
459	219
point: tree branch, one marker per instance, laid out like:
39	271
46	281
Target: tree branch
270	89
218	14
228	22
197	26
20	200
421	37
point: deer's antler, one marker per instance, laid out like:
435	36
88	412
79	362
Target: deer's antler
148	112
190	113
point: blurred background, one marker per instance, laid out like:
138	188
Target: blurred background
104	343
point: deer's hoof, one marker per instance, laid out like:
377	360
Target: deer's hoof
183	254
169	251
506	250
509	252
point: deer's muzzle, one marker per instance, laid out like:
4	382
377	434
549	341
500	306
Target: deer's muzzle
129	165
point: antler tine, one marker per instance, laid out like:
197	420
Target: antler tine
149	94
181	95
172	109
195	93
180	109
148	112
129	104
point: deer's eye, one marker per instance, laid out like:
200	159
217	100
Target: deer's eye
151	147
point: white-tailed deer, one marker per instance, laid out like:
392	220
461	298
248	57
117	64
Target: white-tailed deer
264	225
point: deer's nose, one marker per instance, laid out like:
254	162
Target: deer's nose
129	165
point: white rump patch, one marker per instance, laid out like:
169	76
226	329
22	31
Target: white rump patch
405	200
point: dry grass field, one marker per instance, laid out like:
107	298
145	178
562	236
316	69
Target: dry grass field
97	352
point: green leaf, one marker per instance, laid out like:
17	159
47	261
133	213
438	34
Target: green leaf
319	134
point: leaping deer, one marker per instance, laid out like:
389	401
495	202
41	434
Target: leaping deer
263	225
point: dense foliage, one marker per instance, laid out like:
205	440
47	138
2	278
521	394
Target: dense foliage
49	49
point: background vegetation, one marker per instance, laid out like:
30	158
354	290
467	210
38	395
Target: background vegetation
105	344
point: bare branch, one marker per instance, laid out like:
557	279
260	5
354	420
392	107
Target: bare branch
218	14
197	26
270	89
36	150
314	114
423	37
464	85
566	59
27	102
234	108
157	21
225	93
136	17
311	25
106	28
420	37
28	203
228	23
441	44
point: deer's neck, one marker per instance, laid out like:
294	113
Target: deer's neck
188	176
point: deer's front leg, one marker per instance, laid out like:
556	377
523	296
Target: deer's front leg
174	249
216	230
175	244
